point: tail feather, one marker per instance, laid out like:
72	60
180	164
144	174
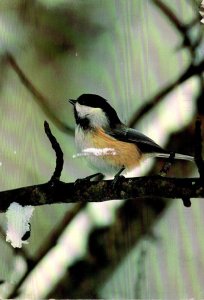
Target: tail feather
177	156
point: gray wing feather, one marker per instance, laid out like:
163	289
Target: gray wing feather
143	142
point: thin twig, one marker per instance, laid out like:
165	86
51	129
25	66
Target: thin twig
58	151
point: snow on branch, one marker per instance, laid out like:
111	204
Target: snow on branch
18	225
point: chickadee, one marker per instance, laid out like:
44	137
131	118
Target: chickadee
108	144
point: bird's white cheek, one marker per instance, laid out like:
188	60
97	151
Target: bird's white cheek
82	110
95	115
98	119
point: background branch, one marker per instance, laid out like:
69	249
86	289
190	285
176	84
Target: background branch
47	245
42	101
150	103
192	69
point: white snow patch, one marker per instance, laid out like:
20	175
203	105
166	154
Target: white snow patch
96	152
18	223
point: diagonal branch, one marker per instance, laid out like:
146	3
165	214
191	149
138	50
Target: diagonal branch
42	101
182	28
47	245
192	70
150	103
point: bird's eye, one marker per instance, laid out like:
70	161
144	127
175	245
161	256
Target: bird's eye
81	102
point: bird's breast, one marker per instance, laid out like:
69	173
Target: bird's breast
105	152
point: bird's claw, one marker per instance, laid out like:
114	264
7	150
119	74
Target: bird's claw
117	179
88	179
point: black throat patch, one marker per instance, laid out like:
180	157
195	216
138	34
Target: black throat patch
83	122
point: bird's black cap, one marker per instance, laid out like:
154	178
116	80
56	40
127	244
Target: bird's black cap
92	100
97	101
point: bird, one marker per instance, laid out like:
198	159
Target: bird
108	144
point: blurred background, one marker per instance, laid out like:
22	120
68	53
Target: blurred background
146	58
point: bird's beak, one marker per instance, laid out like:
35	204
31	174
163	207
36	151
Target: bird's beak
72	101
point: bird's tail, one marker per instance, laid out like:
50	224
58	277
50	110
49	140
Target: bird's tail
177	156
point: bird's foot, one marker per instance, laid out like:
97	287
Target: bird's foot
99	176
167	165
117	179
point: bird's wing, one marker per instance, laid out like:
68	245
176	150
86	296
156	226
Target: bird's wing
143	142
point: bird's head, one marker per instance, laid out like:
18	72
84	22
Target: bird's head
93	111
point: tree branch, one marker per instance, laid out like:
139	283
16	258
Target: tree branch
130	188
182	28
193	69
